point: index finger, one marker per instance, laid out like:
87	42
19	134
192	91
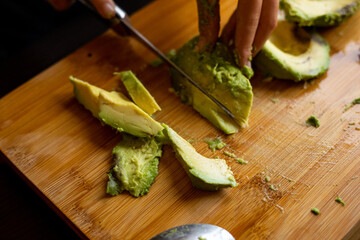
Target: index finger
247	21
106	8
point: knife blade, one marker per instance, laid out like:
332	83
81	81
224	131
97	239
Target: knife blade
122	25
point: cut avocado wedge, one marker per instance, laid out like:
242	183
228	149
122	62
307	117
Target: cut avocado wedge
138	93
320	13
114	109
87	95
205	173
136	165
125	116
217	73
294	54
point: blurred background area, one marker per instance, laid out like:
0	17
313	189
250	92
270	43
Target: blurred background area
33	37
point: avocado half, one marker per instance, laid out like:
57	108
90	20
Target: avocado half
218	74
293	53
320	13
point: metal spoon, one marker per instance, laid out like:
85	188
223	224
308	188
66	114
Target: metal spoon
195	231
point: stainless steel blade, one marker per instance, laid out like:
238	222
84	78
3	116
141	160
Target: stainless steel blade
121	17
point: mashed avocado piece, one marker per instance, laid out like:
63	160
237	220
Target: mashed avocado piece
218	74
215	143
138	93
205	173
136	165
313	121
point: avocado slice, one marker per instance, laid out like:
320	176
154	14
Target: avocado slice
136	165
320	13
125	116
293	53
114	109
205	173
218	74
87	95
139	94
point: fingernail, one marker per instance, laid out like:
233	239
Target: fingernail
108	10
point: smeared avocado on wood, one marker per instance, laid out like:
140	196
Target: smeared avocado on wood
320	13
218	74
313	121
115	110
205	173
292	53
138	93
136	165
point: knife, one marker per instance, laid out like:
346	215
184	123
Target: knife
121	24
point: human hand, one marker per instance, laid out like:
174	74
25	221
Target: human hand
106	8
247	29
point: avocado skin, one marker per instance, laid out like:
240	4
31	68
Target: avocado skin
205	173
272	65
136	164
325	20
218	74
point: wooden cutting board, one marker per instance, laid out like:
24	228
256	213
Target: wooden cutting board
64	153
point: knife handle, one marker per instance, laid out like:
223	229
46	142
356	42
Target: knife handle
117	22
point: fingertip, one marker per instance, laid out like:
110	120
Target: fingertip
243	57
107	10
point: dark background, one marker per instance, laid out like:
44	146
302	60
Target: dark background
33	36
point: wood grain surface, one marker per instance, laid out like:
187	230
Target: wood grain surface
65	152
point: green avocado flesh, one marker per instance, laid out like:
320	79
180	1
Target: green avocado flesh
320	13
114	109
292	53
205	173
138	93
217	73
136	165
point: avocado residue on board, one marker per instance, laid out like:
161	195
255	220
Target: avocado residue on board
340	201
158	61
215	144
272	187
313	121
315	211
229	154
241	161
354	102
